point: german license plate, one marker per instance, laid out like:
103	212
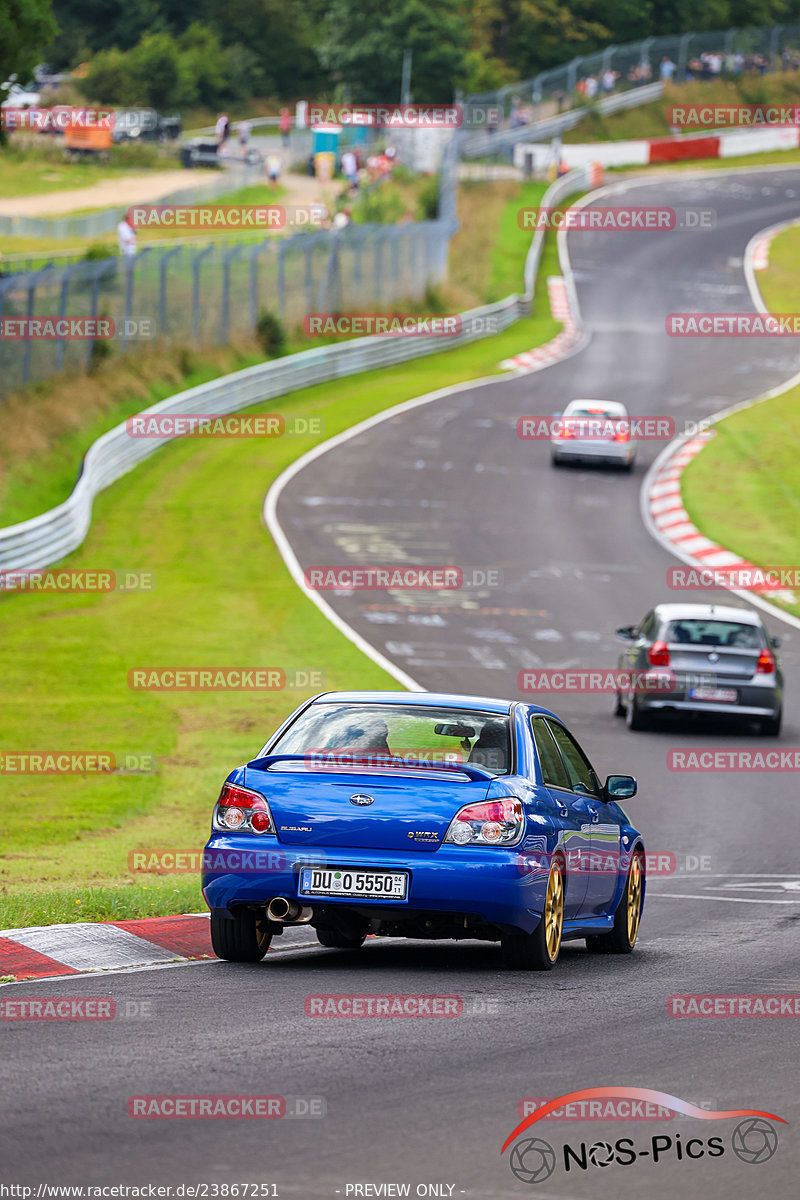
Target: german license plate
727	695
351	881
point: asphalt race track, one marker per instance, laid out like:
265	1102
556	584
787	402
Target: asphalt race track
430	1102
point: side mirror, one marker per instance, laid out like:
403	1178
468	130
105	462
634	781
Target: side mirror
619	787
627	633
775	642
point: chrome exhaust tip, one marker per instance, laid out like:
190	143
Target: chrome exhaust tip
288	912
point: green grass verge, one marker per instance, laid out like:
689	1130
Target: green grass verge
743	490
192	515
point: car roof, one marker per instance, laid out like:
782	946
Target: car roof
427	699
608	405
718	612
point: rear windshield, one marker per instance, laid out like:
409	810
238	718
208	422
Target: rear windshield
595	411
430	735
714	633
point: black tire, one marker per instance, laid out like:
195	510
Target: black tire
245	938
635	718
333	940
619	707
771	726
556	460
622	938
530	951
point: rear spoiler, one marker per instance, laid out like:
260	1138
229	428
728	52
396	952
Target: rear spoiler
319	762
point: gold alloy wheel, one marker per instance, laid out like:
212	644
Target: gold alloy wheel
634	897
554	911
263	935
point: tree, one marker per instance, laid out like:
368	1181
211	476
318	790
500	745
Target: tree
364	41
162	76
26	26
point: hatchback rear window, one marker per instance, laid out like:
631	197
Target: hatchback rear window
731	634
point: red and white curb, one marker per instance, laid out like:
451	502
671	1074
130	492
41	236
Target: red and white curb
668	515
42	951
560	346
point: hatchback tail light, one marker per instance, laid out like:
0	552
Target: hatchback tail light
567	431
238	810
490	823
621	434
766	663
658	655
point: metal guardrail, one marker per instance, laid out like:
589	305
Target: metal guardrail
46	539
482	145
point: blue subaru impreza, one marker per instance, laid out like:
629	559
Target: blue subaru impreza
411	814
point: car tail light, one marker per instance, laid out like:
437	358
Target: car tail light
766	663
658	655
621	434
490	823
240	810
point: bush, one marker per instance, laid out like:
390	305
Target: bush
378	205
99	250
271	334
428	200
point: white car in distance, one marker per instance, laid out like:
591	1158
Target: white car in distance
593	431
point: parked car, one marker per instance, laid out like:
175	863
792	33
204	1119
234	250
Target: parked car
145	125
596	431
409	814
20	97
710	658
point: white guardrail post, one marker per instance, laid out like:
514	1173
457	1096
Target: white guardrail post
48	538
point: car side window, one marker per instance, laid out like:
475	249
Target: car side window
646	627
581	776
553	771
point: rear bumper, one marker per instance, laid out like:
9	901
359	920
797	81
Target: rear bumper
596	451
752	702
485	883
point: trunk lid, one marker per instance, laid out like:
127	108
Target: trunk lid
409	809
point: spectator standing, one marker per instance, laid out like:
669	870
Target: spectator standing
222	130
285	126
591	87
126	237
350	168
244	134
273	168
667	69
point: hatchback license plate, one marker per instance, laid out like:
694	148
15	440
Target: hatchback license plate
728	695
350	881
